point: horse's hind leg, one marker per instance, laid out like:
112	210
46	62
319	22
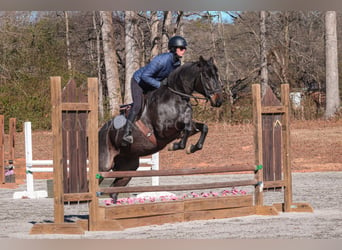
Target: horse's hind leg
198	127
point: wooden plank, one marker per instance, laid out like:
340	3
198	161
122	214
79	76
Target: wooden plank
78	197
286	148
84	224
218	203
295	207
266	210
274	184
257	121
75	106
273	110
171	188
12	135
57	228
69	95
301	207
142	210
93	150
107	225
151	220
174	172
2	150
278	142
218	214
56	99
82	153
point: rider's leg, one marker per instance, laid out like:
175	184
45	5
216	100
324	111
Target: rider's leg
137	94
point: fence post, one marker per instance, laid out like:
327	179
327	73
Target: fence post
2	150
257	120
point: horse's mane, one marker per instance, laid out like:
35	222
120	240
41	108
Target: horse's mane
177	73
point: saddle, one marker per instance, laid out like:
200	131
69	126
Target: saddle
120	121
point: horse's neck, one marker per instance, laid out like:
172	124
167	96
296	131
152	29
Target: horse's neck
185	79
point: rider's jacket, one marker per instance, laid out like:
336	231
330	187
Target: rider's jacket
150	76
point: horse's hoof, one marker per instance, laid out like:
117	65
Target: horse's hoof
170	147
190	149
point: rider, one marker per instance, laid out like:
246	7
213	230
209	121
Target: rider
150	77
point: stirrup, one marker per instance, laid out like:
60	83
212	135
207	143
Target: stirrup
126	140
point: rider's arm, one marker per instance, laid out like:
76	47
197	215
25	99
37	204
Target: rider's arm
150	73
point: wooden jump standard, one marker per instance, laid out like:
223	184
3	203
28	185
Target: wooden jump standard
270	117
6	159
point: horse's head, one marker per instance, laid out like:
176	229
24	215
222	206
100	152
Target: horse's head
208	83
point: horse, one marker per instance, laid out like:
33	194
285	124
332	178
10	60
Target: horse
165	117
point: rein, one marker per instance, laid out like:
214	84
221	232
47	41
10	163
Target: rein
186	95
189	96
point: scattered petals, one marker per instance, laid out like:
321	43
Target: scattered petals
135	200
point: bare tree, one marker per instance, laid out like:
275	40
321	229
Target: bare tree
332	91
263	52
67	43
110	58
166	30
131	50
155	37
98	63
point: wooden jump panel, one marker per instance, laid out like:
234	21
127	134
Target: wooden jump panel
119	217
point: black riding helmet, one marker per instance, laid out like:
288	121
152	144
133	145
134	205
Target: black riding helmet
176	42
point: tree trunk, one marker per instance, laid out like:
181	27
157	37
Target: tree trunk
331	64
68	43
130	48
98	63
110	58
263	53
166	30
155	37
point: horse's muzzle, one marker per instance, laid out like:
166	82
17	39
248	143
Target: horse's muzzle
216	100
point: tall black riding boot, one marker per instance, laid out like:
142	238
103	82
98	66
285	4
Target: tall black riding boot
127	137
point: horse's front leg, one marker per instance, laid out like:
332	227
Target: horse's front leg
182	143
123	163
198	127
118	182
186	119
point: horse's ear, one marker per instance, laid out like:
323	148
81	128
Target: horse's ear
212	60
201	59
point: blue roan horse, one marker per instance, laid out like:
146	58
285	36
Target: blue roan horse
166	116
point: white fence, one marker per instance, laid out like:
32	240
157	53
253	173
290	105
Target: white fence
31	168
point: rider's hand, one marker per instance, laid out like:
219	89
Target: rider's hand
163	82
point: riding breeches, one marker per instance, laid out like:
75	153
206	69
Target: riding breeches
137	98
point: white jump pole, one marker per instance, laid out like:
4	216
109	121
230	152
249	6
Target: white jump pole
155	166
30	193
28	157
30	169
